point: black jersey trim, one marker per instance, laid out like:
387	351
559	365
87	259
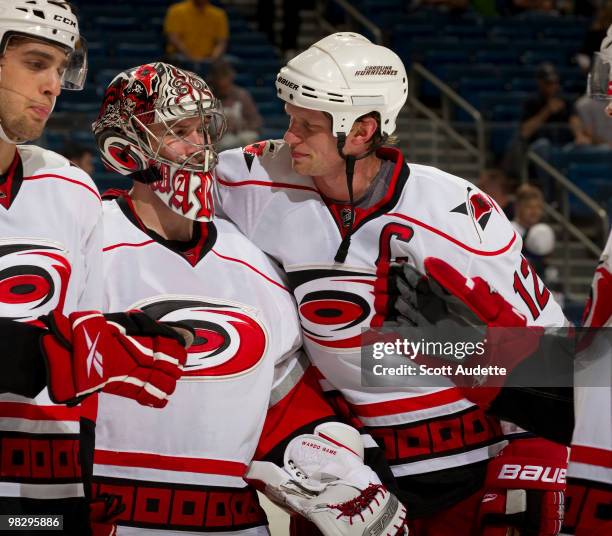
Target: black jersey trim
193	250
11	181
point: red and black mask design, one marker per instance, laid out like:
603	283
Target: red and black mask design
157	117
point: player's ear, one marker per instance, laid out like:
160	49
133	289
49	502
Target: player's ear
363	130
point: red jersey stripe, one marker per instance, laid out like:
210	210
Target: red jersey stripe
61	177
251	267
169	463
405	405
32	412
269	184
591	455
454	240
128	245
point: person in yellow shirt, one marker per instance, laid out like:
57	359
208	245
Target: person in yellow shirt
196	31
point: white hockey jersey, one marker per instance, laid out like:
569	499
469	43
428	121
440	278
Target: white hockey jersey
590	469
425	212
179	470
50	257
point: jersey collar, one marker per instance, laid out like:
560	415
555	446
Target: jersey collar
193	251
11	181
401	172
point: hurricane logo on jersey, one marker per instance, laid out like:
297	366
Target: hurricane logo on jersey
333	304
34	278
229	340
478	206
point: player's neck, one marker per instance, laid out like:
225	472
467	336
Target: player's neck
333	185
157	217
7	153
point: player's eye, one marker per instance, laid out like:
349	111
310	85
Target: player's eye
36	65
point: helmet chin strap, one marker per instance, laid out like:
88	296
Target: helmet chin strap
350	161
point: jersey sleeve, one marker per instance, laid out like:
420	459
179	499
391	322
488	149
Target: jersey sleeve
469	231
238	174
296	403
91	294
598	310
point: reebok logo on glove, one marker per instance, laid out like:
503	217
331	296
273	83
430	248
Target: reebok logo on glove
93	353
512	471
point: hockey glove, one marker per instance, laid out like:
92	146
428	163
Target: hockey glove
325	480
446	300
126	354
525	490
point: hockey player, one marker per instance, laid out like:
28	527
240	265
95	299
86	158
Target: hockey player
181	470
589	509
336	209
50	258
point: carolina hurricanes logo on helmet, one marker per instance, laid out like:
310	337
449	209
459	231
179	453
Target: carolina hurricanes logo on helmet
334	305
479	208
34	279
229	340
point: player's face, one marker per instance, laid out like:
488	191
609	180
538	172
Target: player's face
182	140
609	110
30	81
313	147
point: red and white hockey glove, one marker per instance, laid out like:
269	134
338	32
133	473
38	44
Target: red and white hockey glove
525	490
325	480
446	300
443	295
126	354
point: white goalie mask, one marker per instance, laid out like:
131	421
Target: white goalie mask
159	124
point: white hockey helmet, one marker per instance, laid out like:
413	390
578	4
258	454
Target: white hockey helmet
51	21
347	76
599	85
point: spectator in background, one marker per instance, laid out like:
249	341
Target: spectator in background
243	119
547	115
80	156
538	238
196	32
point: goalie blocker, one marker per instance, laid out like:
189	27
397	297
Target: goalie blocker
325	480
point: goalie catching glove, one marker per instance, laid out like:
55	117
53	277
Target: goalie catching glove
127	354
325	480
